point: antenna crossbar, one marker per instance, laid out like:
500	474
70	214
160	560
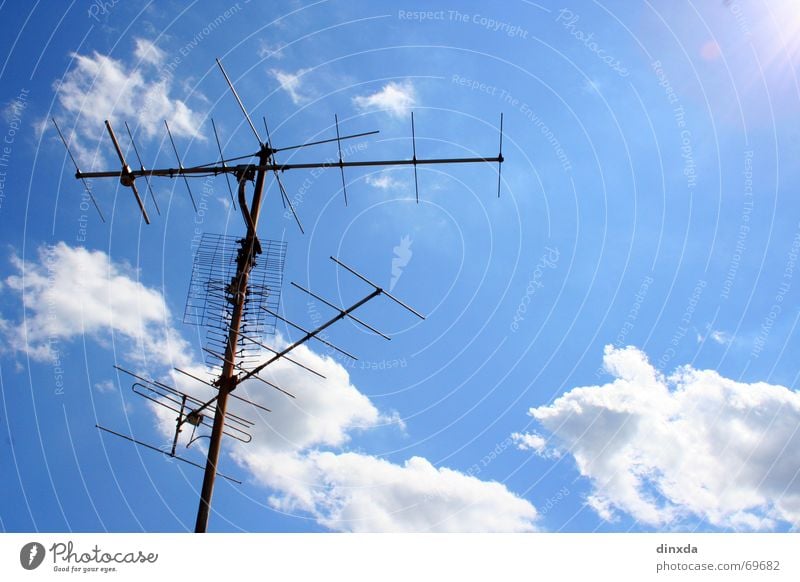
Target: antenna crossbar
205	171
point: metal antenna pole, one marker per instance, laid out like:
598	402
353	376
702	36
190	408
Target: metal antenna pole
227	380
237	295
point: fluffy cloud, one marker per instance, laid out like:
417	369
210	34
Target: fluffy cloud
71	291
291	83
362	493
694	444
394	98
99	87
299	450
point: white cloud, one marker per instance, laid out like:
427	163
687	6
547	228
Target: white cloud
362	493
347	491
14	110
382	181
148	52
394	98
99	87
694	444
71	291
105	387
721	337
291	83
533	441
271	51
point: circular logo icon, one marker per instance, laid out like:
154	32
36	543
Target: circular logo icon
31	555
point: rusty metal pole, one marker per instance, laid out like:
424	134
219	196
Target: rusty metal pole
227	378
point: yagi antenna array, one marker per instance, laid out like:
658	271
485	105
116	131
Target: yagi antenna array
266	161
236	285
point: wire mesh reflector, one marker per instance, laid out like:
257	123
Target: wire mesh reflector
209	301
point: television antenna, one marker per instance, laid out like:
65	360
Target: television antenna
223	295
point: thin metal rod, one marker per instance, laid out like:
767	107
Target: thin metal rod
299	328
232	395
74	163
141	165
222	157
389	295
337	308
180	405
180	165
500	157
339	144
337	138
178	425
116	144
193	377
156	449
289	202
226	160
275	386
172	172
126	175
284	196
239	101
250	402
148	380
414	159
269	145
279	354
342	314
255	377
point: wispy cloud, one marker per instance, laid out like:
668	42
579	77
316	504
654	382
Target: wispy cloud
105	387
382	180
147	52
292	84
721	337
271	51
394	98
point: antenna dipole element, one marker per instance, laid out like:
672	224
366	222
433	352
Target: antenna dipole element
239	101
224	165
141	165
414	159
78	170
127	178
500	157
180	165
341	168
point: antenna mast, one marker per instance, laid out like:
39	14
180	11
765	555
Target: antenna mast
237	290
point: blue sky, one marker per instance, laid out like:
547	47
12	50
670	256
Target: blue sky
609	344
